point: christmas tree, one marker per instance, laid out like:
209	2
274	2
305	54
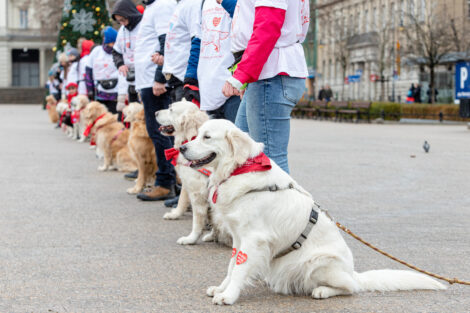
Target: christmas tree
81	18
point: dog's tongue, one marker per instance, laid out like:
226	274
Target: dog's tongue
189	163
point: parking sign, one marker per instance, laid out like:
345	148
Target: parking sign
462	80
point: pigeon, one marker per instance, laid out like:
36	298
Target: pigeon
426	146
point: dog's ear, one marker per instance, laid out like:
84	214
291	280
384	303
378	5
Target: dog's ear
239	144
188	123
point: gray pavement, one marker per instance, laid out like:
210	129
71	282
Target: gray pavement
72	240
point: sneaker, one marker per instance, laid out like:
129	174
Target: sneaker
157	193
132	175
172	203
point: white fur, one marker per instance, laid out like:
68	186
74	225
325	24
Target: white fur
263	224
79	103
186	118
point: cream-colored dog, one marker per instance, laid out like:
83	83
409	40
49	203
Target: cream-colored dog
78	104
140	146
266	212
183	120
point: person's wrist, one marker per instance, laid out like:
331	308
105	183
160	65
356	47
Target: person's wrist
235	83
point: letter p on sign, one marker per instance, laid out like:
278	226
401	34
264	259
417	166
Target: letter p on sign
463	77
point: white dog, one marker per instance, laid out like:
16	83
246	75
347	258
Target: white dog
183	120
78	104
267	212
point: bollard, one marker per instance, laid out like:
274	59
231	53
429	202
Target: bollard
441	117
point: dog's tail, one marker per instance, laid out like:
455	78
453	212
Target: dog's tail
391	280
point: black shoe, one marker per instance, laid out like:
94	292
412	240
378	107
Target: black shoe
172	203
157	193
132	175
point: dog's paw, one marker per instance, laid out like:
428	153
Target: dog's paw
213	290
188	240
224	298
102	168
172	215
209	237
321	292
133	190
92	147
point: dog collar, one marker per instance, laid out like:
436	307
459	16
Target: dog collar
259	163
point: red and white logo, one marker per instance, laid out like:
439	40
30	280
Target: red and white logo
241	257
216	21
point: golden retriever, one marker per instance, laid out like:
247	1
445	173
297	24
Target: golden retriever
279	234
79	103
111	140
51	107
141	147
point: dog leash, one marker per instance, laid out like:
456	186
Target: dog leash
349	232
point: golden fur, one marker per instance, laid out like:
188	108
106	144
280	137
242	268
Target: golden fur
52	109
111	139
141	147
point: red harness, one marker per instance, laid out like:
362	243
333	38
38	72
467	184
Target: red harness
89	127
76	116
117	135
195	89
172	156
62	117
259	163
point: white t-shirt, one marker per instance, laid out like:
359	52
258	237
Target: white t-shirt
288	54
126	43
178	38
154	23
52	84
73	74
103	68
215	56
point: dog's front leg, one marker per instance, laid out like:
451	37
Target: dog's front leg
107	161
199	219
213	290
183	204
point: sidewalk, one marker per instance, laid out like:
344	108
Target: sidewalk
72	240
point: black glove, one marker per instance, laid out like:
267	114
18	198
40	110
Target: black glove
191	90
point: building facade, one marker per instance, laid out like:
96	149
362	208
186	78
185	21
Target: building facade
25	49
362	47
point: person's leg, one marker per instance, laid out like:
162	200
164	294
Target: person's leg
166	176
269	104
111	105
231	108
241	119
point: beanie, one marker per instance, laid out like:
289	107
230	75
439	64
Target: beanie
74	52
86	47
110	35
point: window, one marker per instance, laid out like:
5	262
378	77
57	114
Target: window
402	13
366	21
374	18
24	18
392	14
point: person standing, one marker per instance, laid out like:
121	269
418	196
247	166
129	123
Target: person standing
209	62
126	14
272	68
178	45
417	94
102	77
151	84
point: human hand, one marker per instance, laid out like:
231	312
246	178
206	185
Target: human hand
157	58
219	1
228	90
158	88
123	69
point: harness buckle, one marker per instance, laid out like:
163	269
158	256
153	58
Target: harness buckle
296	245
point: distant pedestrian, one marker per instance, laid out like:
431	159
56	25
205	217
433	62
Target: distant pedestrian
328	93
417	94
321	93
410	96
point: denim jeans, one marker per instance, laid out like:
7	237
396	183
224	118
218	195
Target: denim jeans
264	113
166	176
228	110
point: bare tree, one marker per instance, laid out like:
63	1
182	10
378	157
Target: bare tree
382	39
48	12
430	37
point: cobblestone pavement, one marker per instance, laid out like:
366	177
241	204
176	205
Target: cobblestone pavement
72	240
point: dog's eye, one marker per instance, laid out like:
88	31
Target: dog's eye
207	137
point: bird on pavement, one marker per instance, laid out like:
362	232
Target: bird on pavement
426	146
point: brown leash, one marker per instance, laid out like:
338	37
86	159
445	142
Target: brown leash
449	280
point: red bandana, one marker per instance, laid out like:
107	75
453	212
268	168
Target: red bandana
172	154
71	96
75	116
259	163
90	126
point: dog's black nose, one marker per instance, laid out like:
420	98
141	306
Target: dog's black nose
183	148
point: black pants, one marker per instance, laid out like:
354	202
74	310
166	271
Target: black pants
132	93
111	105
166	176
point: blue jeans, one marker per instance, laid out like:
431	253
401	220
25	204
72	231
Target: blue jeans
264	113
166	176
228	110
